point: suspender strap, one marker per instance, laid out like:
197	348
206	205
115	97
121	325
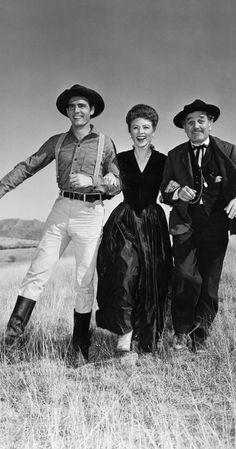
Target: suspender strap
101	141
57	150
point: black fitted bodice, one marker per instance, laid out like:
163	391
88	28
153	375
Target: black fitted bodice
140	189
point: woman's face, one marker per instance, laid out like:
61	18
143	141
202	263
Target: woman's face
142	132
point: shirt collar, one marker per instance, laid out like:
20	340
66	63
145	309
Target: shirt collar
206	142
93	132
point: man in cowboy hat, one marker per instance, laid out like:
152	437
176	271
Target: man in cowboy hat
87	172
199	182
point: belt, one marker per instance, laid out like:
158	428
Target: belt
87	197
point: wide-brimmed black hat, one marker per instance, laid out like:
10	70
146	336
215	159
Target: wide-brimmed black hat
197	105
93	98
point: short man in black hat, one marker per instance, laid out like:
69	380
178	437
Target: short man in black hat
87	172
199	182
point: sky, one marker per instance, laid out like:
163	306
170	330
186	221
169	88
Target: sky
165	53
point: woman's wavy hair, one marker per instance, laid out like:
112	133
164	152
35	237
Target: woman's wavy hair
142	111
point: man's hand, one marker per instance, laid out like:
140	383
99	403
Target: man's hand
231	209
186	194
110	180
80	180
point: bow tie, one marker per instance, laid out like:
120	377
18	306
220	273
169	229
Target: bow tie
199	147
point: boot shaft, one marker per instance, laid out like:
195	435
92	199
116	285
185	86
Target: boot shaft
23	309
81	337
19	319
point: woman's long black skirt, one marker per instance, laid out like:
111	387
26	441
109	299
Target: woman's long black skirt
134	269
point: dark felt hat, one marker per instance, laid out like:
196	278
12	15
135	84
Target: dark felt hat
93	98
197	105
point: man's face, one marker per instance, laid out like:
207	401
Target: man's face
79	111
197	126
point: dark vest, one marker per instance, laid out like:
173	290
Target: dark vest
207	180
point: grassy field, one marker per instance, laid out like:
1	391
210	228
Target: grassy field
166	401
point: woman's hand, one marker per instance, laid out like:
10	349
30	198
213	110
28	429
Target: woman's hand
110	180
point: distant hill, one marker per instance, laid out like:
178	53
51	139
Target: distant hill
21	229
13	243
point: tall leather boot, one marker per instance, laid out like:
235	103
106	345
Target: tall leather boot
81	337
18	319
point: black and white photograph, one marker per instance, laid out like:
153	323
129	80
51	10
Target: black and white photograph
118	224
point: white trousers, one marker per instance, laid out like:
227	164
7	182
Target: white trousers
74	220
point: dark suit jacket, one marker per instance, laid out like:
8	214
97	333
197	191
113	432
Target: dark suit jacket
178	168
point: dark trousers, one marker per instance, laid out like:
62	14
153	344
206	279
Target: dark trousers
198	262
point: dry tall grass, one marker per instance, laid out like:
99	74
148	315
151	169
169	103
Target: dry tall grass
169	402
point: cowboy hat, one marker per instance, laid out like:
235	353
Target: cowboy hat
93	98
197	105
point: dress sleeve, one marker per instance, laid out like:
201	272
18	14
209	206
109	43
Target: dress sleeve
169	186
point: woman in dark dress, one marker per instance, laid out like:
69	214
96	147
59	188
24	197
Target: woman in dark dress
134	258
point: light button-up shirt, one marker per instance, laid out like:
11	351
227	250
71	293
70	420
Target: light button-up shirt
74	157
